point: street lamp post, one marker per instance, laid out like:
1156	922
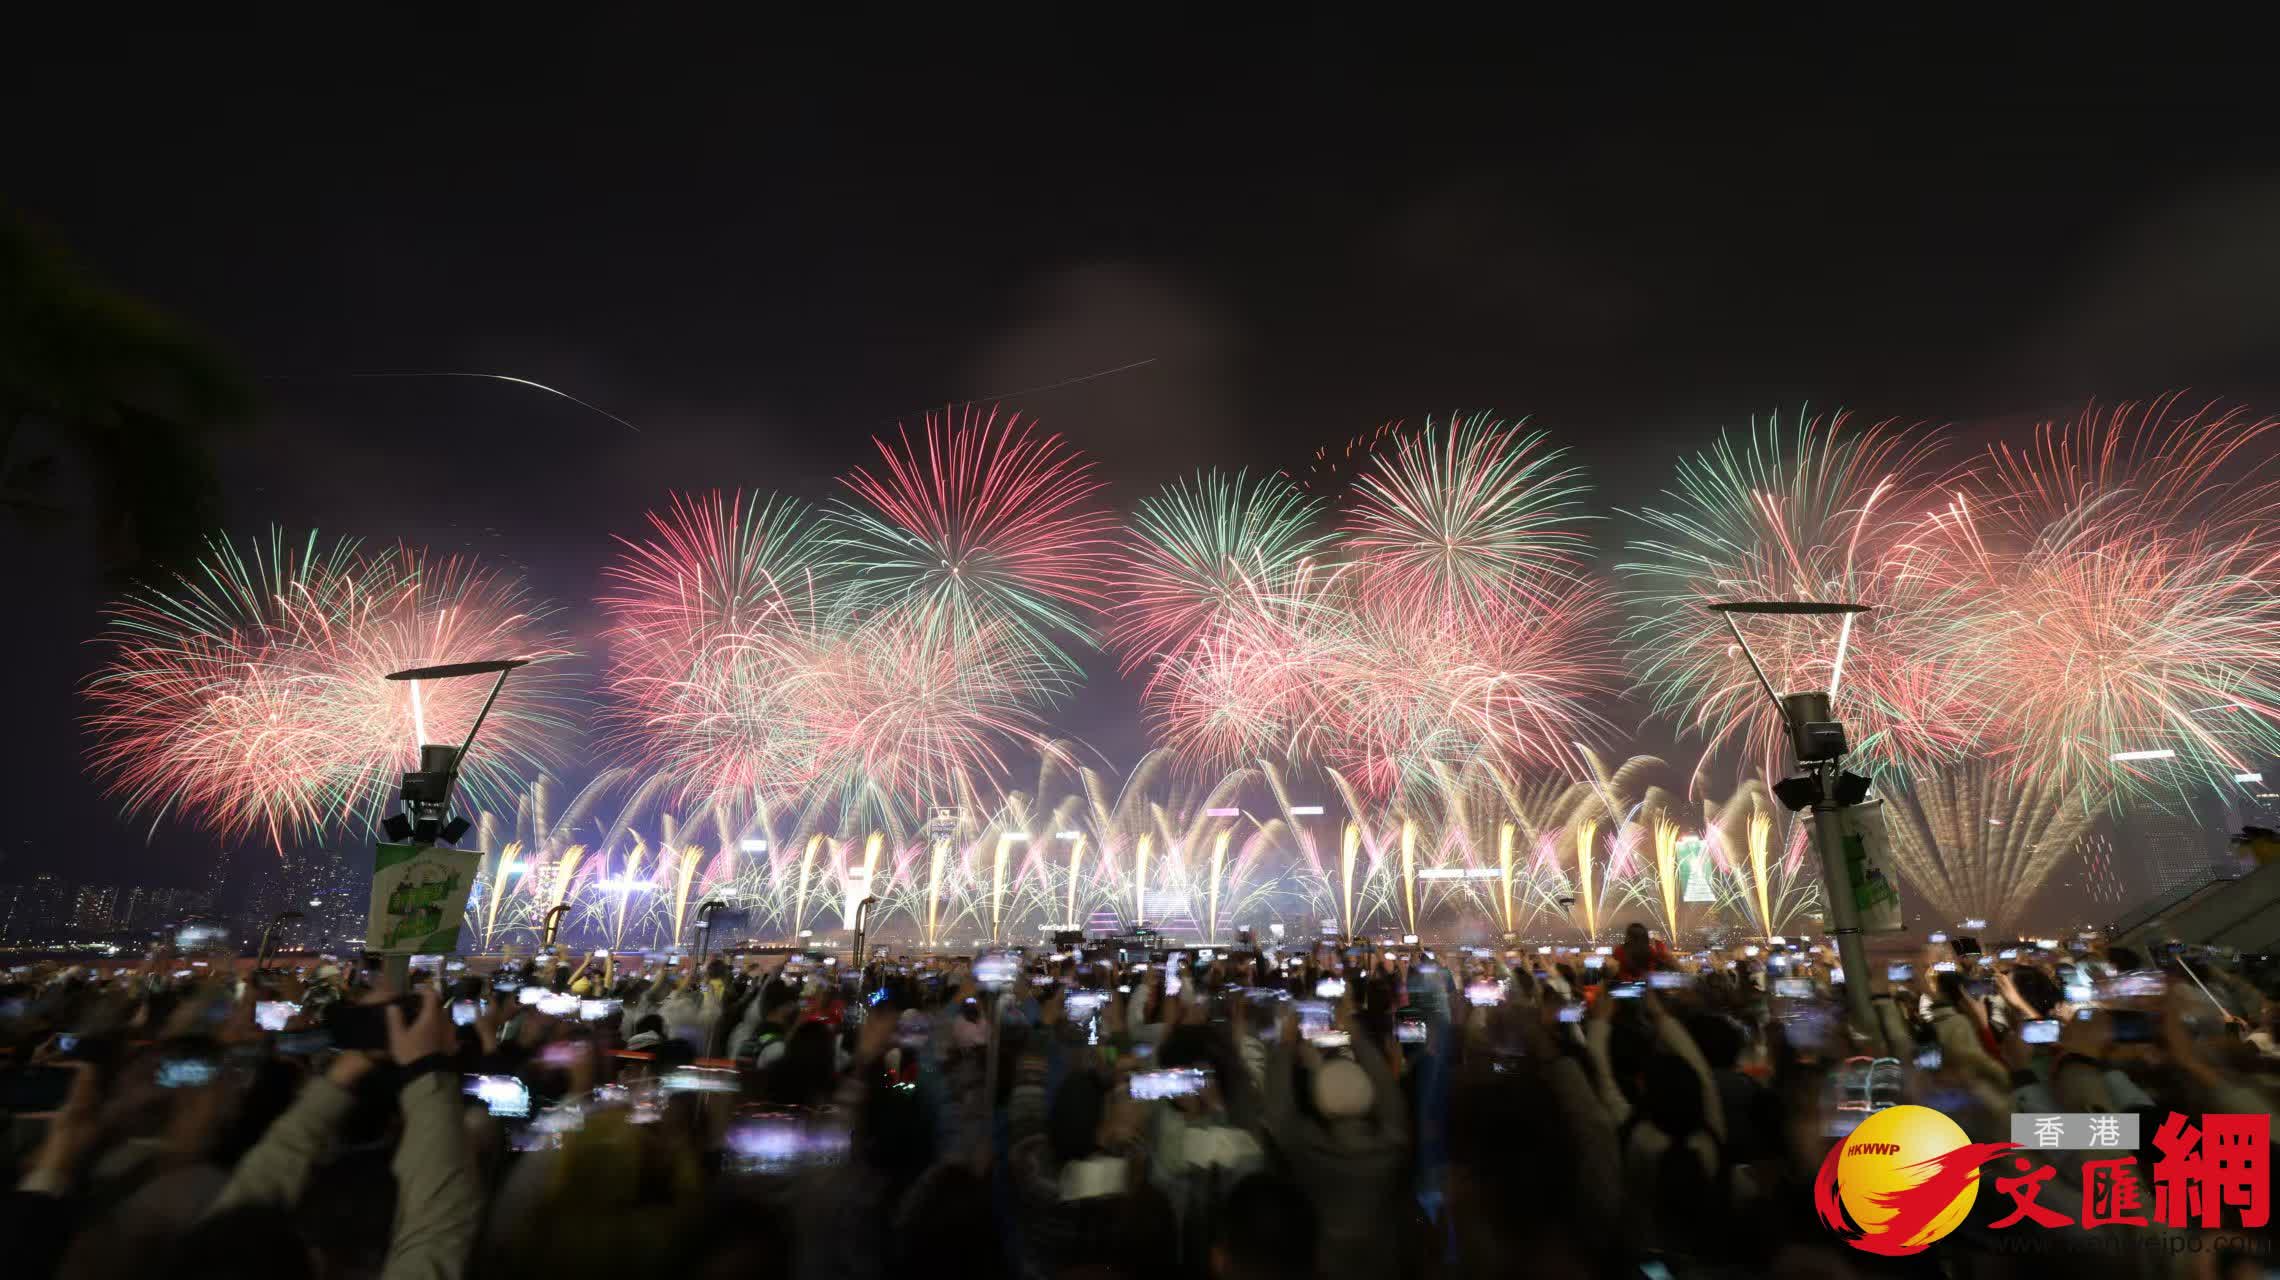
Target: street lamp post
426	792
1817	739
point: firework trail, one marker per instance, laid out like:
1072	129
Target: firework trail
250	699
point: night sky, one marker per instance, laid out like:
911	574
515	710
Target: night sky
763	242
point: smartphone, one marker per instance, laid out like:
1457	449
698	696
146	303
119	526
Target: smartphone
2007	953
1331	1040
1330	989
1084	1004
1928	1058
365	1026
996	971
702	1080
1665	980
66	1042
454	966
300	1044
1409	1031
1964	946
1173	1082
1627	990
1313	1018
2131	1026
186	1071
1749	951
465	1012
601	953
596	1010
1944	966
1900	972
272	1015
2040	1031
1484	993
1936	938
1571	1013
563	1005
1793	988
1594	962
198	937
504	1096
2078	992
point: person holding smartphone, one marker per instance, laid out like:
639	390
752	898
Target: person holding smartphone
1349	1151
440	1197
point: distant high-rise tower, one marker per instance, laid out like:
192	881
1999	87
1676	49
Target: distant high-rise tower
218	884
2101	879
2169	850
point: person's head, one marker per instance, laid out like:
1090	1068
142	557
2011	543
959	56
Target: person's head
779	1003
1267	1230
2038	989
1342	1090
1638	948
1952	992
1072	1125
1719	1037
803	1076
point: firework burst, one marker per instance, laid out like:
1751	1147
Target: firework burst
252	698
982	524
1803	513
2110	590
1476	514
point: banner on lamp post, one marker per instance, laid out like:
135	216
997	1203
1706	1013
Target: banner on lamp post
1867	872
419	893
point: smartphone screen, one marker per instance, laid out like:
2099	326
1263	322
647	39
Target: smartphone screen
2131	1026
1571	1013
2040	1031
1484	993
702	1080
1409	1031
465	1012
1330	988
504	1096
272	1015
1899	972
1173	1082
1628	990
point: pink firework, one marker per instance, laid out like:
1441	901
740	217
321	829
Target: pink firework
2107	593
982	523
1476	514
253	699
